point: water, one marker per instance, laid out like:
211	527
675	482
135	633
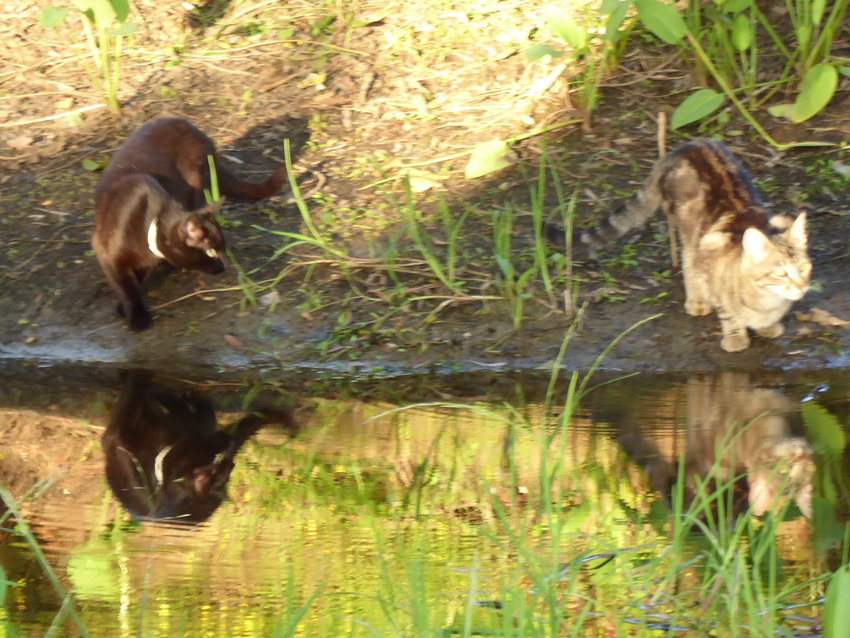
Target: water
345	515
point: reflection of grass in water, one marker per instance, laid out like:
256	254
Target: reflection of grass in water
467	519
67	610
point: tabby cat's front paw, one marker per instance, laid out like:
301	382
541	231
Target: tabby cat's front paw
697	308
771	332
735	343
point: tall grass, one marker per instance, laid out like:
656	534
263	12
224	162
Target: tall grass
22	529
559	547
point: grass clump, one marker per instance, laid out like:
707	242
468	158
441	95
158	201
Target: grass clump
479	518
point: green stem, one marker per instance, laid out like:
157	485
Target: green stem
827	35
721	82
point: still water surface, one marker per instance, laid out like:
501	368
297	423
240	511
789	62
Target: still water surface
320	510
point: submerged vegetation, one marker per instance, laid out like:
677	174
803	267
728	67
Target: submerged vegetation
469	518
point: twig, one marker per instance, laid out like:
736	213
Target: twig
512	140
52	117
52	212
320	182
197	293
285	41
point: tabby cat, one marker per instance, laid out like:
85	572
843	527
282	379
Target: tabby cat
738	436
166	457
747	266
754	423
150	208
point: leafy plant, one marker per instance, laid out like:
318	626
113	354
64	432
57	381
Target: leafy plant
425	246
512	284
836	606
731	47
98	19
591	57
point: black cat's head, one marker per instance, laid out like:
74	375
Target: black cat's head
184	482
201	233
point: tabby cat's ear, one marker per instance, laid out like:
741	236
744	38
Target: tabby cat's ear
756	244
797	232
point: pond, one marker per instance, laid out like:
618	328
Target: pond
485	504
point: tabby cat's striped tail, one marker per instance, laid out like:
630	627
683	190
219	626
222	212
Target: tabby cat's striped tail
630	215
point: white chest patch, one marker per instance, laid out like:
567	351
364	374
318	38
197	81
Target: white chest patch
152	239
157	465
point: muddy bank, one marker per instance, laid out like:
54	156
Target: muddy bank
46	323
370	304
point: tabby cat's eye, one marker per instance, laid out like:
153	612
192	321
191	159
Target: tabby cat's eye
780	272
211	252
805	268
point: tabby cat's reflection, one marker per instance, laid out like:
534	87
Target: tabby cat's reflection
738	434
165	457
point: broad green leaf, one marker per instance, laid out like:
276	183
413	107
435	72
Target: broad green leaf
538	51
564	27
823	429
662	19
742	32
818	7
99	12
844	70
125	29
487	158
609	6
696	106
816	91
615	21
736	6
91	165
782	110
121	9
52	17
421	181
836	607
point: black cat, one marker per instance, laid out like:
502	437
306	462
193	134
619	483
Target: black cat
165	457
150	208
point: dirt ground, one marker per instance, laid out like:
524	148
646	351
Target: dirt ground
366	97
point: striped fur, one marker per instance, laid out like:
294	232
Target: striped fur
747	266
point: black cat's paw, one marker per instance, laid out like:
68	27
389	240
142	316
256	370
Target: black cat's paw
140	322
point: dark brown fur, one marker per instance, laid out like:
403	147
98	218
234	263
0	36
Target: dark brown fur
188	481
159	175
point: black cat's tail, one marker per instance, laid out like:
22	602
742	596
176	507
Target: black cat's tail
234	188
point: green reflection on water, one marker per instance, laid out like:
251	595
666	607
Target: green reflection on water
486	520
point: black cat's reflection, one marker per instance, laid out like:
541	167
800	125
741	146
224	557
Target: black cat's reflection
739	438
165	457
